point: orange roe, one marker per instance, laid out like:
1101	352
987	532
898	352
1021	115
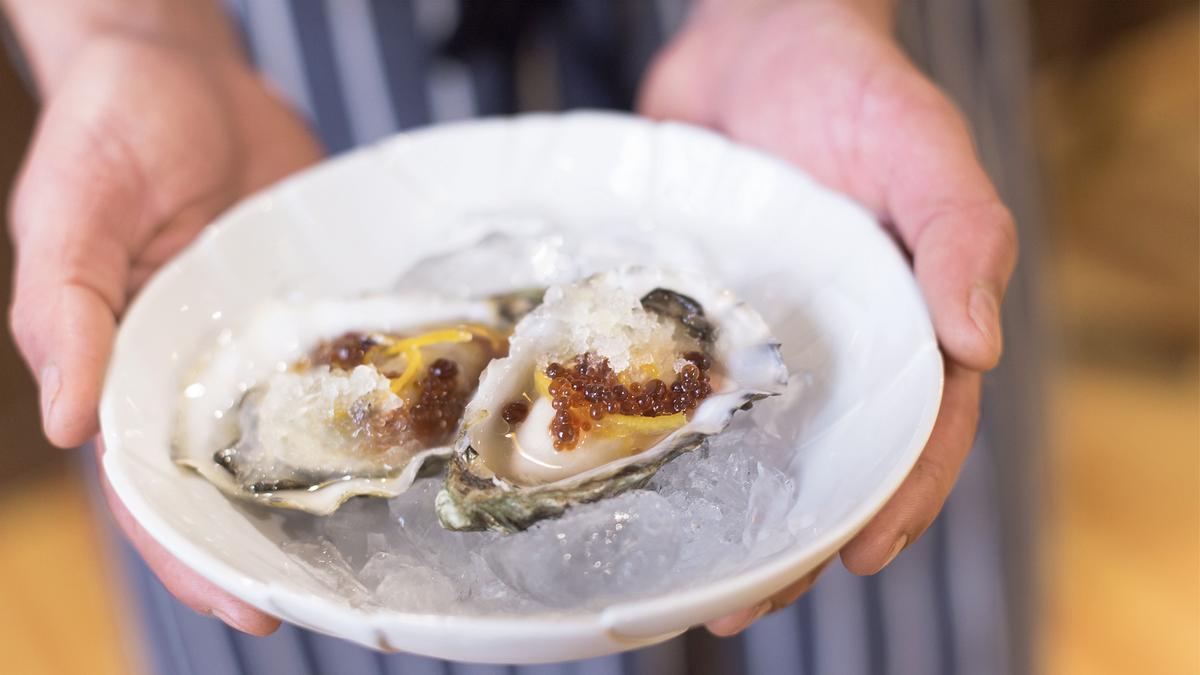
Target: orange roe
589	390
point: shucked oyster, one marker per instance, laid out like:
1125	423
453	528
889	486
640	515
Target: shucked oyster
605	382
310	404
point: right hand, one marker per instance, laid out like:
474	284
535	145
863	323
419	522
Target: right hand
824	86
140	144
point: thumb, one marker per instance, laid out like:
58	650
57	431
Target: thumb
74	210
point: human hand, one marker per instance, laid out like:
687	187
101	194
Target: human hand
140	144
822	84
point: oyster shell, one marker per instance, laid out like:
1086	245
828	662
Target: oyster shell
303	408
606	381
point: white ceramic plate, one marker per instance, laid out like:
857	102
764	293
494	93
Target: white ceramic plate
835	288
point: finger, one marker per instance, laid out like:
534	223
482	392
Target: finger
678	84
70	211
732	624
962	238
190	588
109	169
920	497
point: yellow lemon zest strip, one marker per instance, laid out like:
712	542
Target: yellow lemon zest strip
412	368
411	348
620	425
451	335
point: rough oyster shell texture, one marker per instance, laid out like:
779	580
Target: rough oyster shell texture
217	428
476	497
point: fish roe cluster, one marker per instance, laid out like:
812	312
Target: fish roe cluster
514	413
439	402
431	415
588	390
346	352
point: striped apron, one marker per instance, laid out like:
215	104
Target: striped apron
957	601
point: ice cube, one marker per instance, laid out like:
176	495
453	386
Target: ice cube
770	500
416	529
401	582
349	528
325	562
596	552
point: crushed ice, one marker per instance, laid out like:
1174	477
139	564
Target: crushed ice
707	514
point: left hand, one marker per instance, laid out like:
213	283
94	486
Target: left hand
822	84
141	143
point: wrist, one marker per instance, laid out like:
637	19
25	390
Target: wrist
54	34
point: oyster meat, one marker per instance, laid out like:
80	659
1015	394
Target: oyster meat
310	404
606	381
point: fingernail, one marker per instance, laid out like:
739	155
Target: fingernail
49	383
984	309
227	620
896	548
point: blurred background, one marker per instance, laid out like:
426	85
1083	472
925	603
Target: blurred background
1117	113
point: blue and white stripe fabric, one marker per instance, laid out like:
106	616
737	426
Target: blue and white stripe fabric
955	602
